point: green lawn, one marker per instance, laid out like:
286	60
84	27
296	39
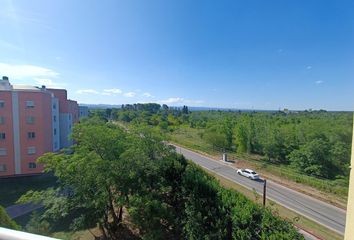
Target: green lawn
12	188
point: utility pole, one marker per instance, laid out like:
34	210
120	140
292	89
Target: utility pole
264	192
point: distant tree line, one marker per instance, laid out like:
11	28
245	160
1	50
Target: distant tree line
112	173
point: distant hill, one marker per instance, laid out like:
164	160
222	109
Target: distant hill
104	106
100	106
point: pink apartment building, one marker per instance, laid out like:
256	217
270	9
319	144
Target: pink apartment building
33	121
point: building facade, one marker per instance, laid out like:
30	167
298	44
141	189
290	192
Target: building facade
83	112
33	121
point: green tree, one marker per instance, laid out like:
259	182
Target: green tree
91	178
37	225
215	137
6	221
313	158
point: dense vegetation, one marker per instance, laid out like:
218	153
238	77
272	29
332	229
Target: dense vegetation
6	221
112	176
316	143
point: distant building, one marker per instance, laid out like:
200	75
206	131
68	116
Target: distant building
83	112
33	121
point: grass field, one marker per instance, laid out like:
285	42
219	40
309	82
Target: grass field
331	191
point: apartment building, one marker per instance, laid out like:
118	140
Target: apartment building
33	121
83	112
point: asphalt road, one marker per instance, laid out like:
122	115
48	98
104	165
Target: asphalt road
318	211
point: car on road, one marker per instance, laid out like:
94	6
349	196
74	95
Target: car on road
248	173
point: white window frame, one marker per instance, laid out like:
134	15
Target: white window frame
31	150
30	119
29	104
3	167
3	152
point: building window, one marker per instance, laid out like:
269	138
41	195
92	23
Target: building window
3	167
31	150
55	131
2	136
31	135
54	106
30	119
32	165
2	120
29	104
54	118
2	104
55	145
69	117
3	152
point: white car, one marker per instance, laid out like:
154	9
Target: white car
248	173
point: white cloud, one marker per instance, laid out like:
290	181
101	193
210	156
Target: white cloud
149	95
31	74
309	67
48	83
172	100
129	94
87	91
319	82
113	90
179	100
26	71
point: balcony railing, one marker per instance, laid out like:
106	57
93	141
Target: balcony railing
8	234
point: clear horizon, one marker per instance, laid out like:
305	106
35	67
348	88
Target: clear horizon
233	54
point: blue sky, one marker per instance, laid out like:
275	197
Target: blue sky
240	54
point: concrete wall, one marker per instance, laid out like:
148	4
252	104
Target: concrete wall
349	226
